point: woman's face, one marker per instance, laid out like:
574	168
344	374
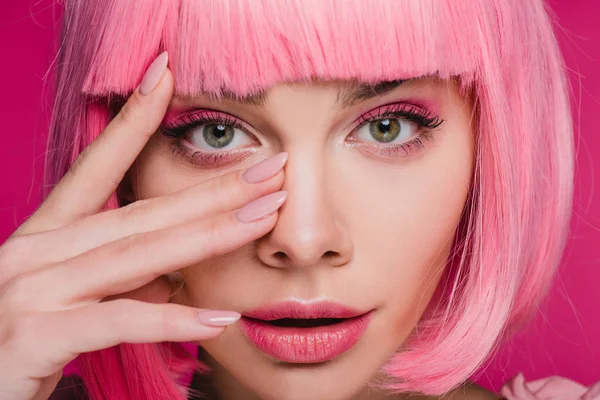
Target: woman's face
374	199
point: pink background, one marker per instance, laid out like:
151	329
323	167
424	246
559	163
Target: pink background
565	337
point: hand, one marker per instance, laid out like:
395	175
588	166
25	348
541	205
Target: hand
76	279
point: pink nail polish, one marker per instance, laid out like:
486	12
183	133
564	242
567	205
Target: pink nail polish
261	208
218	318
265	169
154	73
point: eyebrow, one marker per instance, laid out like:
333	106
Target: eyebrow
346	97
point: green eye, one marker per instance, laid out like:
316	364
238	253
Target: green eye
385	130
218	136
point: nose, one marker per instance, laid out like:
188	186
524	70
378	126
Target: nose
309	230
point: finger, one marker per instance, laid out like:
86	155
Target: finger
213	197
107	324
131	262
99	169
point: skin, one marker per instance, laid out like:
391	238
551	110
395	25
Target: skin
367	230
73	269
90	268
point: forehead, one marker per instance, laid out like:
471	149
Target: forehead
242	47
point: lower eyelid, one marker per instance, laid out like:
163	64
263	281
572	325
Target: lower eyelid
392	150
209	159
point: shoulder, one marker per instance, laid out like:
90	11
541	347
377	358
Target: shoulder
470	391
466	391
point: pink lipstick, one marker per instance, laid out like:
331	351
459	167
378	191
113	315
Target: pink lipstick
296	332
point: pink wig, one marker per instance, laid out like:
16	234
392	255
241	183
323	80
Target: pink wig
503	53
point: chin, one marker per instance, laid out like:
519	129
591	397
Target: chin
332	380
233	357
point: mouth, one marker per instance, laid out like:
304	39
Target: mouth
302	323
295	332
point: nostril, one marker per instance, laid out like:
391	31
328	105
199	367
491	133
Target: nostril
282	256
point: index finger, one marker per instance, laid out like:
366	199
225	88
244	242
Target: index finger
99	169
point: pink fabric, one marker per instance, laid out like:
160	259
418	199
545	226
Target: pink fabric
550	388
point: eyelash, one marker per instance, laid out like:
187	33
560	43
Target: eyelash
425	121
178	129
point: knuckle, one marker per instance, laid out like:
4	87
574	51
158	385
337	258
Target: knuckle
16	294
24	229
230	185
26	326
13	253
124	311
236	186
136	211
131	243
215	234
80	160
130	113
140	245
169	321
6	328
120	308
120	313
21	328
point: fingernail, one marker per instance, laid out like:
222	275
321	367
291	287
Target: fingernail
218	318
265	169
262	207
154	73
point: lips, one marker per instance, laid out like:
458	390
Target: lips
296	332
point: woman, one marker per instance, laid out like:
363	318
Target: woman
336	200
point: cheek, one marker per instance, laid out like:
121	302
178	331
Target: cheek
404	234
157	172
